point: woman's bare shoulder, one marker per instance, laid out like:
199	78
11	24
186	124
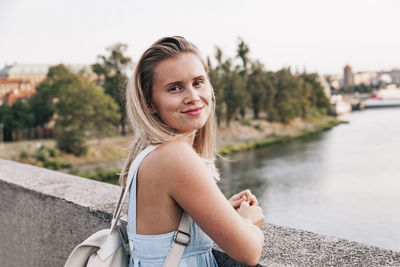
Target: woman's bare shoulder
173	153
172	159
175	147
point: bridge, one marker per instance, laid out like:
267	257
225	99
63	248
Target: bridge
44	214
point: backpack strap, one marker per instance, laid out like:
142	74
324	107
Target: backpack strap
124	193
180	242
181	237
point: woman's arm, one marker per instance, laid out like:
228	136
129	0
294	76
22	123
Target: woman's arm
193	188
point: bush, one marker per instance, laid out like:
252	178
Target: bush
42	154
72	141
245	122
259	127
109	176
24	154
54	152
49	158
313	115
54	164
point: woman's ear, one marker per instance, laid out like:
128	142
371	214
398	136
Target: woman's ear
152	109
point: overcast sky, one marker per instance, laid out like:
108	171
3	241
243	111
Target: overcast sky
320	35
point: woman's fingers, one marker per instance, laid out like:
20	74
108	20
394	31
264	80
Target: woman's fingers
239	195
236	203
244	204
252	200
235	200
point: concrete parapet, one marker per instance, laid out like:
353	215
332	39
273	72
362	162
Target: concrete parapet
44	214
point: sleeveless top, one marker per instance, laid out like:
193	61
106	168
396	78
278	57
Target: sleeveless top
152	250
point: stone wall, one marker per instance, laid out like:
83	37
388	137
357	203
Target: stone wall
44	214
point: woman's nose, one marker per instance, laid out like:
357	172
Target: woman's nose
192	95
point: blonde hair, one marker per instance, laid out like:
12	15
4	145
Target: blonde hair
148	127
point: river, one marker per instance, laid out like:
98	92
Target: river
344	182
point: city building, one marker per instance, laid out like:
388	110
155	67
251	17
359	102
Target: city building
13	89
10	85
33	74
394	75
365	77
17	94
20	80
335	80
348	76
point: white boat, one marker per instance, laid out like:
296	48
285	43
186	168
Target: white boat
381	103
387	97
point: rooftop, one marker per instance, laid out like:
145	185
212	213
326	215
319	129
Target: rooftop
5	80
38	69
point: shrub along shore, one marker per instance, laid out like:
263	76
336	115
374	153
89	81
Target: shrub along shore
281	133
104	156
276	139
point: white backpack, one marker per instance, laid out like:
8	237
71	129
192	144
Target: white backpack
110	247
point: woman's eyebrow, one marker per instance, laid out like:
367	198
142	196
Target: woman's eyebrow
199	77
180	83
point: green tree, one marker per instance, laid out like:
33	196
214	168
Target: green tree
286	103
22	116
242	53
43	104
111	71
318	98
234	90
18	116
79	107
6	118
85	107
229	87
216	76
256	83
270	92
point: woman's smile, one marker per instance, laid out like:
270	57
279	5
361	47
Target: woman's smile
193	111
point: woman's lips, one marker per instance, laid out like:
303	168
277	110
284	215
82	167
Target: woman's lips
193	111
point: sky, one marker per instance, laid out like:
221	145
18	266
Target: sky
316	35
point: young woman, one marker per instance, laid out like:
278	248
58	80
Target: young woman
170	103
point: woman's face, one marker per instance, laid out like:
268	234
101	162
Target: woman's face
181	93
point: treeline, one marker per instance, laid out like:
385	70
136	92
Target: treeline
75	106
247	85
361	88
78	107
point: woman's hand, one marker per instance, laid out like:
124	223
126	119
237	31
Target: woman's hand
246	195
252	213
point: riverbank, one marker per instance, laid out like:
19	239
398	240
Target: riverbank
105	156
248	135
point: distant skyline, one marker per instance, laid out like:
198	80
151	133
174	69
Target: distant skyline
321	36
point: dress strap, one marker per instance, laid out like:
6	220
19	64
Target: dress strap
132	181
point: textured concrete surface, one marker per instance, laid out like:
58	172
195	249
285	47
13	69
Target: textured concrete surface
44	214
291	247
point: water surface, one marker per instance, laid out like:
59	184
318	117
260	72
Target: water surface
343	183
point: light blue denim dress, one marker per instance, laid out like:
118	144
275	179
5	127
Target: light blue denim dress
152	250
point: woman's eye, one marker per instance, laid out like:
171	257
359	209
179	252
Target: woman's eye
174	89
198	82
